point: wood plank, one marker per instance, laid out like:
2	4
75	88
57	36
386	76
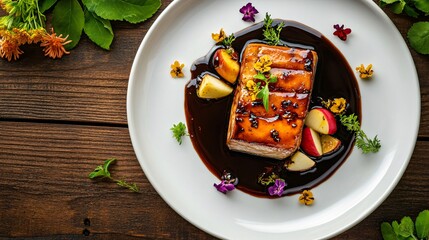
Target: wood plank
89	85
45	191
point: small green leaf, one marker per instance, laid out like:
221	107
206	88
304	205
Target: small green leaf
422	5
418	35
98	30
410	11
102	170
273	79
389	1
406	227
398	7
46	4
395	227
387	231
133	11
260	76
68	20
422	224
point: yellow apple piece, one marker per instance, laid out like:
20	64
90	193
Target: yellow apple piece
329	144
299	162
212	87
226	66
321	120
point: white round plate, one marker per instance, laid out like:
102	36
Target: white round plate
390	109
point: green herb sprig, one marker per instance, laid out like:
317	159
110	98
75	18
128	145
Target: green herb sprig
102	171
364	143
265	181
407	229
179	130
227	42
264	93
271	34
418	34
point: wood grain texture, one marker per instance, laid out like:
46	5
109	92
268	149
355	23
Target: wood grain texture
45	191
59	119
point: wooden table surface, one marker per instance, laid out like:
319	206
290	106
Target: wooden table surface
61	118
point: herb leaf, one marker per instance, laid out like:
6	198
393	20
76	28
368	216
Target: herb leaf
264	93
179	131
364	143
387	231
271	34
227	42
102	171
406	227
422	224
418	35
68	20
46	4
99	30
422	5
133	11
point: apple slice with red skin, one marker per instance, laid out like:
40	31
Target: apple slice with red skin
299	162
321	120
330	144
226	66
310	142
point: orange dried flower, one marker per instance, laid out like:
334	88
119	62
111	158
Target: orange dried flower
306	197
176	69
9	48
54	45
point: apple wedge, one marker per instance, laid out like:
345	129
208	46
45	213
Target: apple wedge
310	142
329	144
299	162
321	120
226	66
212	87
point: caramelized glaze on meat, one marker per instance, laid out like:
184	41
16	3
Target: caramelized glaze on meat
275	133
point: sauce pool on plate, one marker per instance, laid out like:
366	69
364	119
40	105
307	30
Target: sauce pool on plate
207	120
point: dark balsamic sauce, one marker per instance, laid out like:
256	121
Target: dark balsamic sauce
207	120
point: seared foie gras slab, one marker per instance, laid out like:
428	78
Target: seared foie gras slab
275	133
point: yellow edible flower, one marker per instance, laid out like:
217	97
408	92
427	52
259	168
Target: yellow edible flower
253	89
176	69
306	197
263	64
337	105
219	37
365	73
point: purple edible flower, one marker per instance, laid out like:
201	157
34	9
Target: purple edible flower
248	12
224	187
277	188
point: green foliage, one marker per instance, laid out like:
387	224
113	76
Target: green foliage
133	11
68	20
418	34
99	30
364	143
271	34
179	130
44	5
102	171
93	16
265	181
406	230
